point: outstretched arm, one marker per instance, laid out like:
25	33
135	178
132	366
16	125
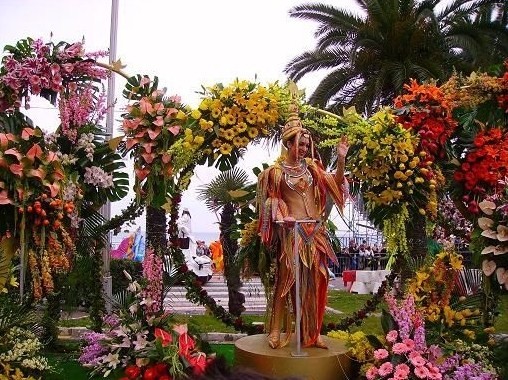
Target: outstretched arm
342	148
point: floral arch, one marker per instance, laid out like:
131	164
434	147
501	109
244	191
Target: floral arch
402	158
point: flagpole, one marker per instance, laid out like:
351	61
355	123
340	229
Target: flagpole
106	209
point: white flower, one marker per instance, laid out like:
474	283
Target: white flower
140	341
500	250
502	233
488	249
487	207
485	223
489	234
111	360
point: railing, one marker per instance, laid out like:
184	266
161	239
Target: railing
357	262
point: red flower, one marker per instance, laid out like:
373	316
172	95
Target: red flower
164	336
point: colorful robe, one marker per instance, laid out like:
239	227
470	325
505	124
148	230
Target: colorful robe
314	254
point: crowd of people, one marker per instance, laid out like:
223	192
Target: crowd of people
360	256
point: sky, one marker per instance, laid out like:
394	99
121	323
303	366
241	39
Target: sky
186	44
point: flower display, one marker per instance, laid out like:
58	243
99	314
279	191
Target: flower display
140	342
405	354
393	176
239	113
424	109
439	300
20	355
151	124
41	186
485	165
492	232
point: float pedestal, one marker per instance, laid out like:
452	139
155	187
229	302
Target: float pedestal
331	364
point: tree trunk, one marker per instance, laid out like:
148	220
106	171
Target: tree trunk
156	229
231	268
417	246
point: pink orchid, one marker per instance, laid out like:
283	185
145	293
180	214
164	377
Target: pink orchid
58	174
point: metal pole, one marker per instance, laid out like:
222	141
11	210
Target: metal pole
296	258
106	209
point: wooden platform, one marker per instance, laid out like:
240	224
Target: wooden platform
331	364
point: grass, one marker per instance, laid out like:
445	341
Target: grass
67	367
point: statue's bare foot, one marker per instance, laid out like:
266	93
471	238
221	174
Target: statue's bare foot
274	339
320	344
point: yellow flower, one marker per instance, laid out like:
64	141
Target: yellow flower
228	134
216	143
225	149
196	114
252	132
181	115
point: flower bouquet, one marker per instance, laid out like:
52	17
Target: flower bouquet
139	340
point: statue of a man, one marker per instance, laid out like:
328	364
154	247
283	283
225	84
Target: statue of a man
296	187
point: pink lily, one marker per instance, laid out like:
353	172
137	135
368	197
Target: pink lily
159	121
5	138
154	133
145	106
148	146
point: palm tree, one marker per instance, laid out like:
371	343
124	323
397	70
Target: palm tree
371	56
223	194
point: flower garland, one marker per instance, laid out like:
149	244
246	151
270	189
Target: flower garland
151	125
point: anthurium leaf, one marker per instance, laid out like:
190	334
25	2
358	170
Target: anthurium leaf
113	143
